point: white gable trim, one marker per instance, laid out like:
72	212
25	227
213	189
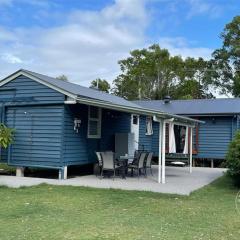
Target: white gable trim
22	73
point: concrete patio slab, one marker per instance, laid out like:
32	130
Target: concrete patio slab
178	181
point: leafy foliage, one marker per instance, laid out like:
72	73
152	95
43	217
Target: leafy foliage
233	159
101	84
6	136
153	73
226	60
62	77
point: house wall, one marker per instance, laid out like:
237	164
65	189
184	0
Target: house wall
113	122
44	134
78	149
38	131
148	142
215	135
25	90
36	113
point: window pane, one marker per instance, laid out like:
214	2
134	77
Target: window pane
93	127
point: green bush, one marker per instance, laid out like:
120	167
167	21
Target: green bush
6	136
233	159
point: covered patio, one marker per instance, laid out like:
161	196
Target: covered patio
179	181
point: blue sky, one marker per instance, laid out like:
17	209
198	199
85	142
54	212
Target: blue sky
85	39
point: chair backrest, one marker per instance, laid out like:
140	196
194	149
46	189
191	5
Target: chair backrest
99	158
137	155
149	159
108	160
142	159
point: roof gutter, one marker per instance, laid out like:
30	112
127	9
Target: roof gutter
150	112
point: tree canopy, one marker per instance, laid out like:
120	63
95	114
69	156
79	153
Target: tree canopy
226	60
101	84
62	77
153	73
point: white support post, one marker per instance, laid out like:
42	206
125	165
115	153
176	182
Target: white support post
163	150
20	172
190	149
160	152
63	173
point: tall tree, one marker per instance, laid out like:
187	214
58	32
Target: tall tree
101	84
226	60
153	73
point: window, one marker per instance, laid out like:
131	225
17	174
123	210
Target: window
94	122
149	129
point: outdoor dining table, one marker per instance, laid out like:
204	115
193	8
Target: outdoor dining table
124	161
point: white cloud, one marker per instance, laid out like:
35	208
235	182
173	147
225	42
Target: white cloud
180	46
87	45
9	58
199	7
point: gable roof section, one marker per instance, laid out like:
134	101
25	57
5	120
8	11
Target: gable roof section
220	106
93	97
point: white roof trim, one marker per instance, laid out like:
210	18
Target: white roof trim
22	73
141	111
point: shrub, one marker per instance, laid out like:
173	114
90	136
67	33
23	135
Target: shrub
6	136
233	159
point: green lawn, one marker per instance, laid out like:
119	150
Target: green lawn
56	212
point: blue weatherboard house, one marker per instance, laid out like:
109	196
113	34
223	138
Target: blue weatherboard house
60	124
221	117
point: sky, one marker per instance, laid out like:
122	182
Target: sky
84	39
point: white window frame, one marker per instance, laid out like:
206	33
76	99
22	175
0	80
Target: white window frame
150	121
99	123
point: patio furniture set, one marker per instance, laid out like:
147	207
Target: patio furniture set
109	163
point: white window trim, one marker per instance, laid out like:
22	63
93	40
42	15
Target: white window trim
147	119
99	120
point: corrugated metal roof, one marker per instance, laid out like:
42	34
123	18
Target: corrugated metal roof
195	107
95	97
83	91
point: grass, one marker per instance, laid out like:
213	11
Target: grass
58	212
7	169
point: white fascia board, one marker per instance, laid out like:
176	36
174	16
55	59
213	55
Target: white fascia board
140	111
22	73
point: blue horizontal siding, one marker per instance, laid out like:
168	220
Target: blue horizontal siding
215	136
36	143
75	145
23	87
149	142
78	149
113	122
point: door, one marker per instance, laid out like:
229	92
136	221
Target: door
22	121
135	130
38	135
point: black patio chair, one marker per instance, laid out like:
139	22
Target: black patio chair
99	164
109	163
137	154
138	165
148	163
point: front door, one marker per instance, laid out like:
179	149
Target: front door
135	130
